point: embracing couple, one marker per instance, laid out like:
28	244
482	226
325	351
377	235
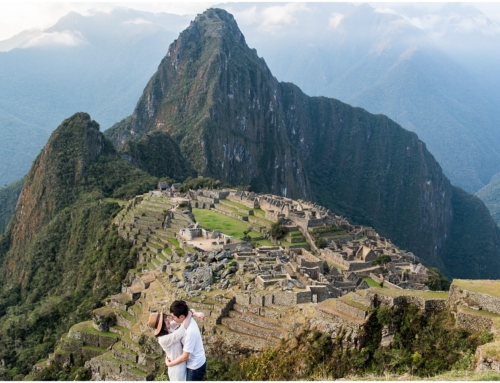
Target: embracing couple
181	340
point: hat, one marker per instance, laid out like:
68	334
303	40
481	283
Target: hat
156	321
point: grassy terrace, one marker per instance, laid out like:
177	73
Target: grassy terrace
88	328
348	299
175	242
212	220
236	204
262	219
494	317
232	209
339	267
260	212
479	286
414	293
491	350
93	348
286	243
264	242
371	282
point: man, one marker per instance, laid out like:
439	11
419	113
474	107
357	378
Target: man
193	352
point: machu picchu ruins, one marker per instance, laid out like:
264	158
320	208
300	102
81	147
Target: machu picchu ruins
255	290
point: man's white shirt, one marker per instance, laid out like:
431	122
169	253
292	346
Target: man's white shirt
194	345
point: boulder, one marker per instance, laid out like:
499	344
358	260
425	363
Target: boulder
223	255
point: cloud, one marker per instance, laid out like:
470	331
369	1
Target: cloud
278	16
137	21
335	20
444	20
270	18
386	10
66	38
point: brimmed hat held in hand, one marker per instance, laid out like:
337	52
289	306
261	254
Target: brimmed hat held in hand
156	321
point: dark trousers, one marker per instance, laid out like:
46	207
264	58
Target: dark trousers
196	375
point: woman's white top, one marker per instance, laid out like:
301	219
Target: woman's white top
171	344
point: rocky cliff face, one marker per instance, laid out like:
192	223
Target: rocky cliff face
53	179
235	122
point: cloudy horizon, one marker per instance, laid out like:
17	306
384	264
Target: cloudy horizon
18	17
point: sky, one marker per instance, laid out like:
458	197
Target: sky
18	16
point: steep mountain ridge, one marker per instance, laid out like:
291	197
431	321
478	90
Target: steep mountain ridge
373	57
235	122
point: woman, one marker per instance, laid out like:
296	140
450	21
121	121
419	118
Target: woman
170	340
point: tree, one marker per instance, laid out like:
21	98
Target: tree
383	260
278	231
246	237
321	243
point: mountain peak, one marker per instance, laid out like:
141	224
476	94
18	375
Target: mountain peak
217	22
214	23
56	173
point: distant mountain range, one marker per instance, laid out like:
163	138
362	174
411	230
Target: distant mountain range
435	72
97	63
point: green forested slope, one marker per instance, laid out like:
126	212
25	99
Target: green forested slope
60	256
8	199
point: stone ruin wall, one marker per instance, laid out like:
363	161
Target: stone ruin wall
423	304
471	322
275	298
485	301
334	257
250	203
353	311
335	326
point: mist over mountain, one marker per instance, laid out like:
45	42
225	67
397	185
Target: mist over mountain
98	63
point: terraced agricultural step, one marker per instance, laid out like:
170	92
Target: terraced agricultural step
362	298
124	319
330	307
119	330
121	301
348	306
131	345
85	332
70	344
107	367
248	328
155	240
121	353
135	311
89	352
244	340
256	320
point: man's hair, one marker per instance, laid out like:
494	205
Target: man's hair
179	308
